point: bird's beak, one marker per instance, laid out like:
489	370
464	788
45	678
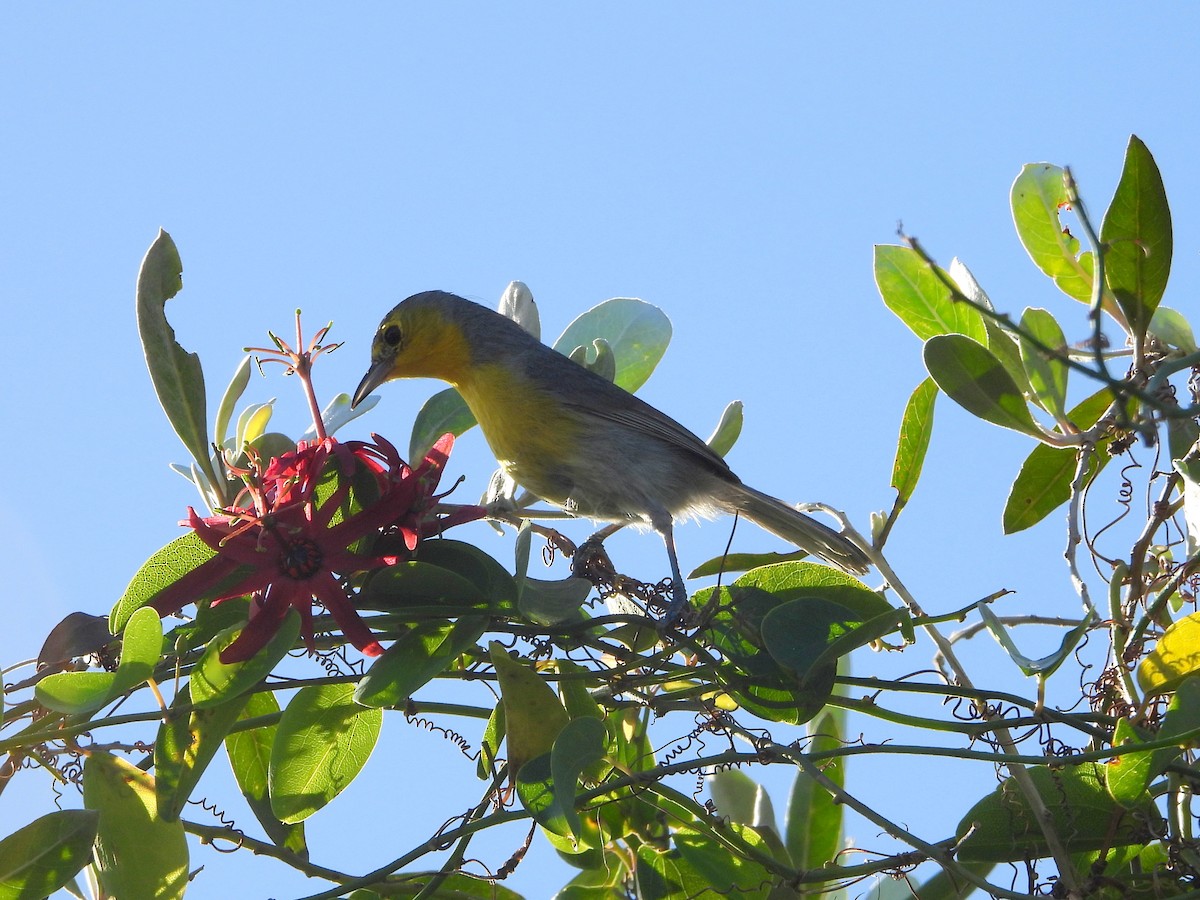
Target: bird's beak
376	375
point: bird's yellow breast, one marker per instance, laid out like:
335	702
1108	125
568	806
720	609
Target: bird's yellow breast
529	431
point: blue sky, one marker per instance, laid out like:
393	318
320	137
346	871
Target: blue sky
732	167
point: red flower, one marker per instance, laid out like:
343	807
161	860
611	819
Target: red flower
304	533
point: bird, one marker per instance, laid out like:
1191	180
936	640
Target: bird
575	439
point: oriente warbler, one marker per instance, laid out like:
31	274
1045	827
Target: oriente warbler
572	437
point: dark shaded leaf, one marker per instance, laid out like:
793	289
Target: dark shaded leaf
1003	828
1137	238
969	374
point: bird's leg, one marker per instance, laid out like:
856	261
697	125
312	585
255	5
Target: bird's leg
679	595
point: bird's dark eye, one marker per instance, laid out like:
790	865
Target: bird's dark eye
392	335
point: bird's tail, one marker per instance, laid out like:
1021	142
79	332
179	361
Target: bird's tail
804	531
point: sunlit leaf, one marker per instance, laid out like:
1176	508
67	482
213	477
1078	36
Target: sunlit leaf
1037	195
637	333
920	298
321	744
159	572
176	374
517	303
547	783
1174	658
1044	482
137	854
35	861
1047	374
533	714
423	653
813	833
916	430
233	393
728	429
249	753
185	745
1129	774
597	358
213	682
446	412
83	692
1046	665
1172	328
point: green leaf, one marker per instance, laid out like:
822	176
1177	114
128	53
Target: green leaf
813	834
418	583
579	745
1172	328
85	692
75	693
1047	374
444	412
916	429
233	393
1038	194
1137	238
322	742
598	358
137	854
1085	817
808	634
917	294
970	375
177	376
491	579
726	871
159	572
553	602
754	679
1183	717
249	755
1043	667
1129	774
422	654
40	858
1044	482
186	744
546	784
637	332
744	562
252	423
667	876
741	799
213	682
728	429
1174	658
533	714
